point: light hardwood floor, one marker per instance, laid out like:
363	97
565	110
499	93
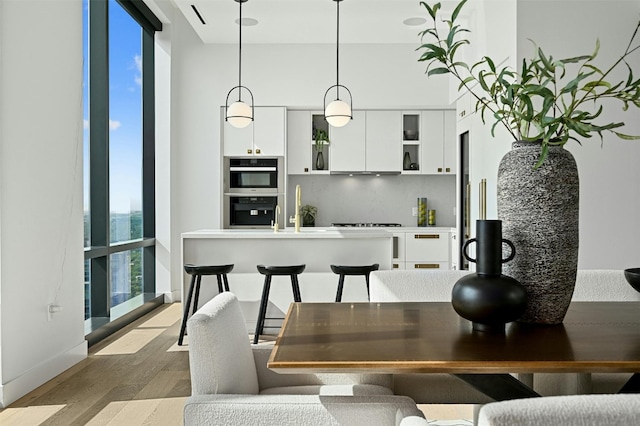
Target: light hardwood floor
139	376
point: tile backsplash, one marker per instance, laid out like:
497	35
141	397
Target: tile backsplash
343	198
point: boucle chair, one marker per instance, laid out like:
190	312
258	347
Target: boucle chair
592	285
231	384
576	410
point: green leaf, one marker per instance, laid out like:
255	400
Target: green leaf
435	48
492	66
598	83
465	82
431	11
437	71
546	61
597	49
459	65
630	79
574	59
429	31
456	11
543	156
627	137
482	82
573	84
454	47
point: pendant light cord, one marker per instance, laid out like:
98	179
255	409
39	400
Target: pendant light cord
338	49
240	55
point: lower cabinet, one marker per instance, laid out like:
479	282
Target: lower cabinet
428	249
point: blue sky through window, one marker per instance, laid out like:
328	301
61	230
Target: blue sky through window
125	109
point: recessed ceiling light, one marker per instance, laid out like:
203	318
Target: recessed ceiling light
249	22
413	22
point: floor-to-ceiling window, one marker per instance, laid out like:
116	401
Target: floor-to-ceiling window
118	159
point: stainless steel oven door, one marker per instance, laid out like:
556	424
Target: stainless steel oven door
253	175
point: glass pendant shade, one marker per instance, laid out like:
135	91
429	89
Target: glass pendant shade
239	114
338	113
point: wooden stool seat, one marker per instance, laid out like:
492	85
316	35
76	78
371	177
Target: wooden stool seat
344	270
268	271
196	272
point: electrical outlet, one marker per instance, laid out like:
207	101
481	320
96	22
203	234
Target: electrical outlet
52	309
414	211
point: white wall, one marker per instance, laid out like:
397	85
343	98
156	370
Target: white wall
162	53
41	214
609	174
609	202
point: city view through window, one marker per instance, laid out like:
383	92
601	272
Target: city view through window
125	154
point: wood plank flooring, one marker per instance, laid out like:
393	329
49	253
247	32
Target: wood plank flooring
140	376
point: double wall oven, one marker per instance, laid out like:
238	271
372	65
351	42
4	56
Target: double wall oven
253	187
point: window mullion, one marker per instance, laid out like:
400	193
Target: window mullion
99	152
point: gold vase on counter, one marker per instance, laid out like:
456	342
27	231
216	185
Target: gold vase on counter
422	212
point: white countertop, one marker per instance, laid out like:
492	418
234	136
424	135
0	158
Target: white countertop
288	233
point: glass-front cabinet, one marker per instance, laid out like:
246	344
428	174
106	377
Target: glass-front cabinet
411	142
304	155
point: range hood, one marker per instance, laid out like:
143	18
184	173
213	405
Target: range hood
366	173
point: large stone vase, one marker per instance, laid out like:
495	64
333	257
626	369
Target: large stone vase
539	212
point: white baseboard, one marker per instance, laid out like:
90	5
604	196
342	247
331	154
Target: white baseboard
40	374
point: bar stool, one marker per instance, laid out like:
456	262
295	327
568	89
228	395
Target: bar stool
269	271
196	272
343	270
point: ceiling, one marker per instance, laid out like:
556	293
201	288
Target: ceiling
307	21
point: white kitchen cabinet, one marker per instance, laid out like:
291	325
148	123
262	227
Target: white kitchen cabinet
427	250
438	142
370	142
348	145
298	142
266	136
383	141
301	147
450	143
411	142
432	137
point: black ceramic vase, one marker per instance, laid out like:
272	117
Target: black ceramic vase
320	161
488	298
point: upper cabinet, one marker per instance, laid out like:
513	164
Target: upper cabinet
304	155
298	142
265	137
348	145
383	144
369	143
407	142
411	133
438	142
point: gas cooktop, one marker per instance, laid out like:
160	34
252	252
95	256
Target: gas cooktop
366	225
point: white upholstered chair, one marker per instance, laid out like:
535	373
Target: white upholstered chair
576	410
232	385
592	285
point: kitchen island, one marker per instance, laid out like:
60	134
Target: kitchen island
317	248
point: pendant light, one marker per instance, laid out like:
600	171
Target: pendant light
338	112
239	114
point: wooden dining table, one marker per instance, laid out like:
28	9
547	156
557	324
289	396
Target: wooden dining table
430	337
